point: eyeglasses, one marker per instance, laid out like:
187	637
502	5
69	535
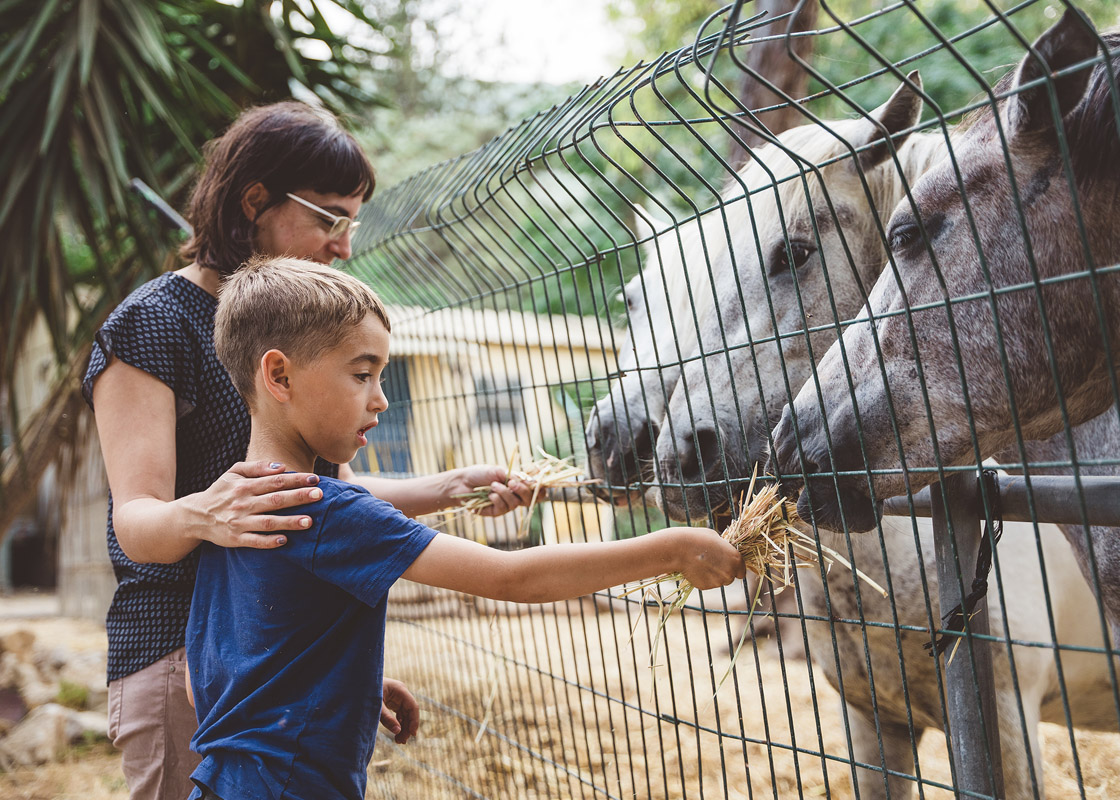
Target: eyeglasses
339	225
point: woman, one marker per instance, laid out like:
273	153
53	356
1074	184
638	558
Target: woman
285	179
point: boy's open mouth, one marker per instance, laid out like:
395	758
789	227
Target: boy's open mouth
363	431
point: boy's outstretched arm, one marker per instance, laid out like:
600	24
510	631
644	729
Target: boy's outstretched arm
564	571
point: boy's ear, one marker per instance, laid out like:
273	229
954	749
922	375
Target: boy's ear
274	371
253	200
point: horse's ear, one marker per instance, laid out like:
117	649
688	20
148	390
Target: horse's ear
900	113
1070	40
646	223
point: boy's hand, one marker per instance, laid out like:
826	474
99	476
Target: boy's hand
503	497
400	713
705	558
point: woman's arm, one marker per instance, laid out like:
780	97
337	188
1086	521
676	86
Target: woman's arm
430	493
563	571
135	414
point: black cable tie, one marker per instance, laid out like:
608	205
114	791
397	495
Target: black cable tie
955	619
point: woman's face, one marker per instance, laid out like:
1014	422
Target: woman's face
292	229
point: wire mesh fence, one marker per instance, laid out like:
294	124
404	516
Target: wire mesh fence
904	309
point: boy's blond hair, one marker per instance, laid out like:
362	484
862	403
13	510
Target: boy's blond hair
298	307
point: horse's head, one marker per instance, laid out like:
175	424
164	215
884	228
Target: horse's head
991	228
806	242
624	423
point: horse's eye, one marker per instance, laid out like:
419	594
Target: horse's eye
903	235
800	253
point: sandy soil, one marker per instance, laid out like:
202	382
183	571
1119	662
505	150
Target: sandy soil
562	702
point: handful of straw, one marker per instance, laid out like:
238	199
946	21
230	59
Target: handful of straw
772	545
546	472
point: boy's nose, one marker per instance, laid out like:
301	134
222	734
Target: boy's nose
378	401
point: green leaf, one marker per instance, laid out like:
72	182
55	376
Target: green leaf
88	23
31	43
61	89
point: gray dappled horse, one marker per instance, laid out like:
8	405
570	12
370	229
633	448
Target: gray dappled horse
796	244
1026	251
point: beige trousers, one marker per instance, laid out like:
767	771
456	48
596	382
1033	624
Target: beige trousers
151	723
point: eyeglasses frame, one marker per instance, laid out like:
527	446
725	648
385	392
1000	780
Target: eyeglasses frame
339	224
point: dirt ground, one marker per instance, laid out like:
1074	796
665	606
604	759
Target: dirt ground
562	703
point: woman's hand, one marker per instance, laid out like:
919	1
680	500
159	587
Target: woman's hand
237	510
504	497
400	713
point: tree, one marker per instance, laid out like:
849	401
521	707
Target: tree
772	60
95	92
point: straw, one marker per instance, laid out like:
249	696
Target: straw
767	536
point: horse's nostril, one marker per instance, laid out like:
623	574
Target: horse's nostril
643	444
707	445
686	456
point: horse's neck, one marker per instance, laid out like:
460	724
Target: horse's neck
1095	440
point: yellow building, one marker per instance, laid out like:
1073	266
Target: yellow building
469	386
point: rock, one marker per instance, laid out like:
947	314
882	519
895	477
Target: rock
45	734
20	642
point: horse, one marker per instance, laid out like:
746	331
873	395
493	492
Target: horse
1016	234
622	426
888	683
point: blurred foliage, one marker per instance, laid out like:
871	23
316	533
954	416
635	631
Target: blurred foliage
96	92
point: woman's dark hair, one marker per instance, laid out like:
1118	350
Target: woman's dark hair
286	147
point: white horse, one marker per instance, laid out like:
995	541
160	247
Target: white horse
659	326
805	245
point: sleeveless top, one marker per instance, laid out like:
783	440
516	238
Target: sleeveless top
166	328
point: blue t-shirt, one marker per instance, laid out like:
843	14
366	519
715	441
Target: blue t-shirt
286	651
166	328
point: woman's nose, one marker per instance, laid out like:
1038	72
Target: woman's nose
340	247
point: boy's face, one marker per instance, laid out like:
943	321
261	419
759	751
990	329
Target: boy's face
335	399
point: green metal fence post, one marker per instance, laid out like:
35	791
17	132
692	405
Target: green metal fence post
974	746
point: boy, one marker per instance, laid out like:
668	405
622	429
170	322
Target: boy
285	647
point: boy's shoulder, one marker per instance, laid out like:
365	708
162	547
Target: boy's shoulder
341	496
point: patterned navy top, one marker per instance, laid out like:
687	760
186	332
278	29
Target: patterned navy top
166	328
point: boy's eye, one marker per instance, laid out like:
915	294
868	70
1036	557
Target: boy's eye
363	376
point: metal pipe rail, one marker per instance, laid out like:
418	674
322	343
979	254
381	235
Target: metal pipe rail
1049	498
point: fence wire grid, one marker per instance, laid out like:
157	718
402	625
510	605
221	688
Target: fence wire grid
905	309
